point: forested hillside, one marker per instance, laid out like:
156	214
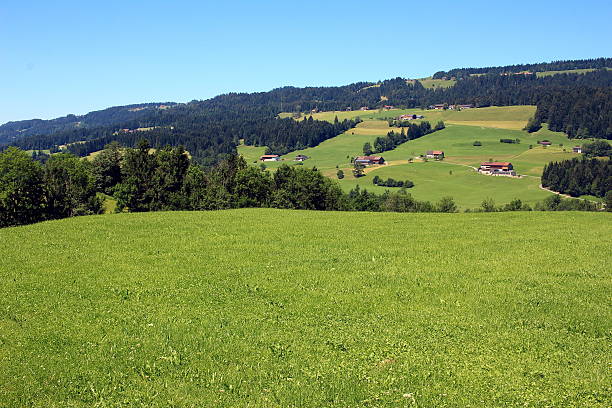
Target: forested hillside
576	104
107	117
594	63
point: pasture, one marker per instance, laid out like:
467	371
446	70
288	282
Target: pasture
434	180
186	309
469	189
436	83
568	71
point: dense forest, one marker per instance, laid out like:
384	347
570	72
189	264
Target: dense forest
594	63
578	177
580	112
107	117
211	129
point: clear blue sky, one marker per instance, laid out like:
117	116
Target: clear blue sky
60	57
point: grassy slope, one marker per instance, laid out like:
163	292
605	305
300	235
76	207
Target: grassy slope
210	309
568	71
505	117
251	153
436	83
486	125
434	180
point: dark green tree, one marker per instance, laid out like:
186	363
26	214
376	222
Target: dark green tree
107	168
70	187
22	194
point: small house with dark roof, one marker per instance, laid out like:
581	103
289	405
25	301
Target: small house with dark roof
369	160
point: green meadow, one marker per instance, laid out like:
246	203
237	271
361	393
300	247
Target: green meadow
437	83
434	180
569	71
454	176
279	308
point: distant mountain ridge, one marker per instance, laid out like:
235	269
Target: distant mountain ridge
594	63
11	131
577	104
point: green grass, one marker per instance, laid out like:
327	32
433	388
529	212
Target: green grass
251	153
437	83
487	125
273	308
434	180
568	71
505	117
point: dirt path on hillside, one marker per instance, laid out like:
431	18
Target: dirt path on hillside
567	195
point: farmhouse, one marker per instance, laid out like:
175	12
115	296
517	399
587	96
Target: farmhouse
388	107
544	142
577	149
368	160
438	106
497	169
301	157
461	106
270	157
410	117
363	108
435	154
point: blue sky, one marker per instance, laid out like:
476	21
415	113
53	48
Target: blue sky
65	57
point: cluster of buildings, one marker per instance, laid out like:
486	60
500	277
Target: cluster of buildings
468	106
524	73
276	157
442	106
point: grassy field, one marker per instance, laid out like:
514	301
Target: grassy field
251	153
568	71
487	125
436	83
505	117
434	180
210	309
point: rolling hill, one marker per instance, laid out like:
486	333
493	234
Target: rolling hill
452	177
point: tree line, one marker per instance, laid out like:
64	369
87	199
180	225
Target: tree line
391	182
562	65
578	177
30	191
207	141
580	112
145	179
